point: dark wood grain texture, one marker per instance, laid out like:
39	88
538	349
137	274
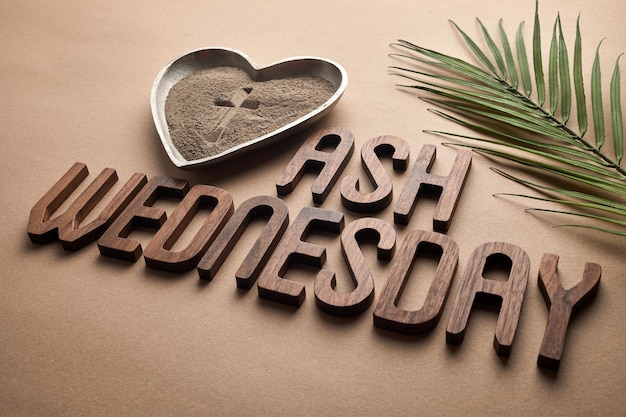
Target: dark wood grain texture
387	315
67	226
277	214
448	188
114	242
358	300
158	253
294	248
313	156
382	195
507	295
562	303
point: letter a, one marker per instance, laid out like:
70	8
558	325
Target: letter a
510	294
312	156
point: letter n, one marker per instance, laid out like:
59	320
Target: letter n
277	214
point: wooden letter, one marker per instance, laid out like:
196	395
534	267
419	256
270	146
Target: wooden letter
292	248
361	297
509	295
139	213
561	303
158	253
261	206
448	188
351	196
311	156
387	314
66	226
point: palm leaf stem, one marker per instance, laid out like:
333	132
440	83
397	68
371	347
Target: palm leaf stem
488	80
545	154
601	183
555	147
579	139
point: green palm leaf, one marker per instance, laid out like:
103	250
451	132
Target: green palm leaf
596	100
616	114
530	147
591	216
567	173
564	78
556	148
579	86
537	58
581	198
477	51
553	71
508	54
522	57
522	126
494	50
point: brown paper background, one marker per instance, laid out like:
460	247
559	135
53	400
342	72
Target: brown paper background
82	334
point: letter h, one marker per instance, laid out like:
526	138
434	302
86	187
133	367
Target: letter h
422	181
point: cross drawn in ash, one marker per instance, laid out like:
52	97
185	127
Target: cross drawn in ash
239	100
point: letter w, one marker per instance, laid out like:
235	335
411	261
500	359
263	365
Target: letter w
43	228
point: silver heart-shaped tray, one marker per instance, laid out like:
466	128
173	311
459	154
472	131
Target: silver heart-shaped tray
207	58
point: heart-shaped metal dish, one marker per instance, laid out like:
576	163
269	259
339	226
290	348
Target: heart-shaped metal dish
207	58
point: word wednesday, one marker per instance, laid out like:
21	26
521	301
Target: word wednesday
326	152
